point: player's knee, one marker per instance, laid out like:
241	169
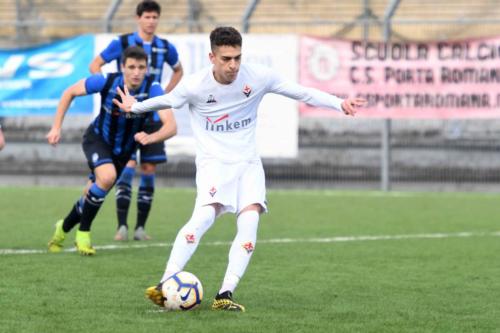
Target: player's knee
106	181
131	164
253	207
148	168
217	208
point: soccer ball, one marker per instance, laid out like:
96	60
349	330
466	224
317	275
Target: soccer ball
182	291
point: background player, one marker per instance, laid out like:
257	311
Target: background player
159	51
109	141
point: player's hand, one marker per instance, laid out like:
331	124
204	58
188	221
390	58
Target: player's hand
350	105
127	100
143	138
53	136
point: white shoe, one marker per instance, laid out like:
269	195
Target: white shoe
121	234
140	234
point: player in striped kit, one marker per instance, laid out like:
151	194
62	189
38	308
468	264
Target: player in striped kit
109	141
223	101
160	52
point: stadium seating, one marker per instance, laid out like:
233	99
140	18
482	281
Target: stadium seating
336	18
7	21
44	20
173	17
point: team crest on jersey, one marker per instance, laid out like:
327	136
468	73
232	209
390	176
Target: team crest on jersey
211	99
247	90
248	246
190	239
212	191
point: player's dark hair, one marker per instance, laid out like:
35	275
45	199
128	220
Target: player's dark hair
134	52
147	6
225	36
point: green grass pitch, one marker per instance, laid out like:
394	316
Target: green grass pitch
438	269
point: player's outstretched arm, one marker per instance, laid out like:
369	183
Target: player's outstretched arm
78	89
313	96
350	105
130	104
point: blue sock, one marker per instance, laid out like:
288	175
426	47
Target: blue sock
127	176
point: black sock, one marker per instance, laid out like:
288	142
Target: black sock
225	295
123	196
144	201
93	201
74	216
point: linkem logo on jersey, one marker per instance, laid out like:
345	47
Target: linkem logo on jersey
219	125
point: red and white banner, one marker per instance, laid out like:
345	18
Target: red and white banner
453	79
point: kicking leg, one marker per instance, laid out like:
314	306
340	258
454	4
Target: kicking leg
185	244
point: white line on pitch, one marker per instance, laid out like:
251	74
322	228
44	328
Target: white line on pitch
337	239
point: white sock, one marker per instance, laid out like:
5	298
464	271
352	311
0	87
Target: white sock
241	249
188	238
167	274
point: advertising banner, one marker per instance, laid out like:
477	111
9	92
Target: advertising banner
449	79
32	80
277	126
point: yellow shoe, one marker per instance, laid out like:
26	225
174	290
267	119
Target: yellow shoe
83	244
155	295
56	242
225	302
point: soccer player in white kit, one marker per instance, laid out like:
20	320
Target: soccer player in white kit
223	100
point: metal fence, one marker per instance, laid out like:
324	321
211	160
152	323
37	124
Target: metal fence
433	154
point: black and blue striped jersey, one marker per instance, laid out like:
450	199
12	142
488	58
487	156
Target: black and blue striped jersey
159	51
117	128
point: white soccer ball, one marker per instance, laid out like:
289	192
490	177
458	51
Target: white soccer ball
182	291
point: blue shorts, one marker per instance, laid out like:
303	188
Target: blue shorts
98	152
153	153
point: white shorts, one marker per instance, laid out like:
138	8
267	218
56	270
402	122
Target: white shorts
233	185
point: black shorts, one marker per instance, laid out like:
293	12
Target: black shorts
98	152
153	153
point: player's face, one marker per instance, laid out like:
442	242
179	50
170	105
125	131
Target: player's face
226	61
134	71
148	22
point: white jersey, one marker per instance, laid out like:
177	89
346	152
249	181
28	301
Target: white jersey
224	116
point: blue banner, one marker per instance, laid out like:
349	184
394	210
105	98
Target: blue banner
32	80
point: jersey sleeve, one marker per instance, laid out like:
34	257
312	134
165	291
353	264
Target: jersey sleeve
172	58
113	51
311	96
155	90
175	99
95	83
